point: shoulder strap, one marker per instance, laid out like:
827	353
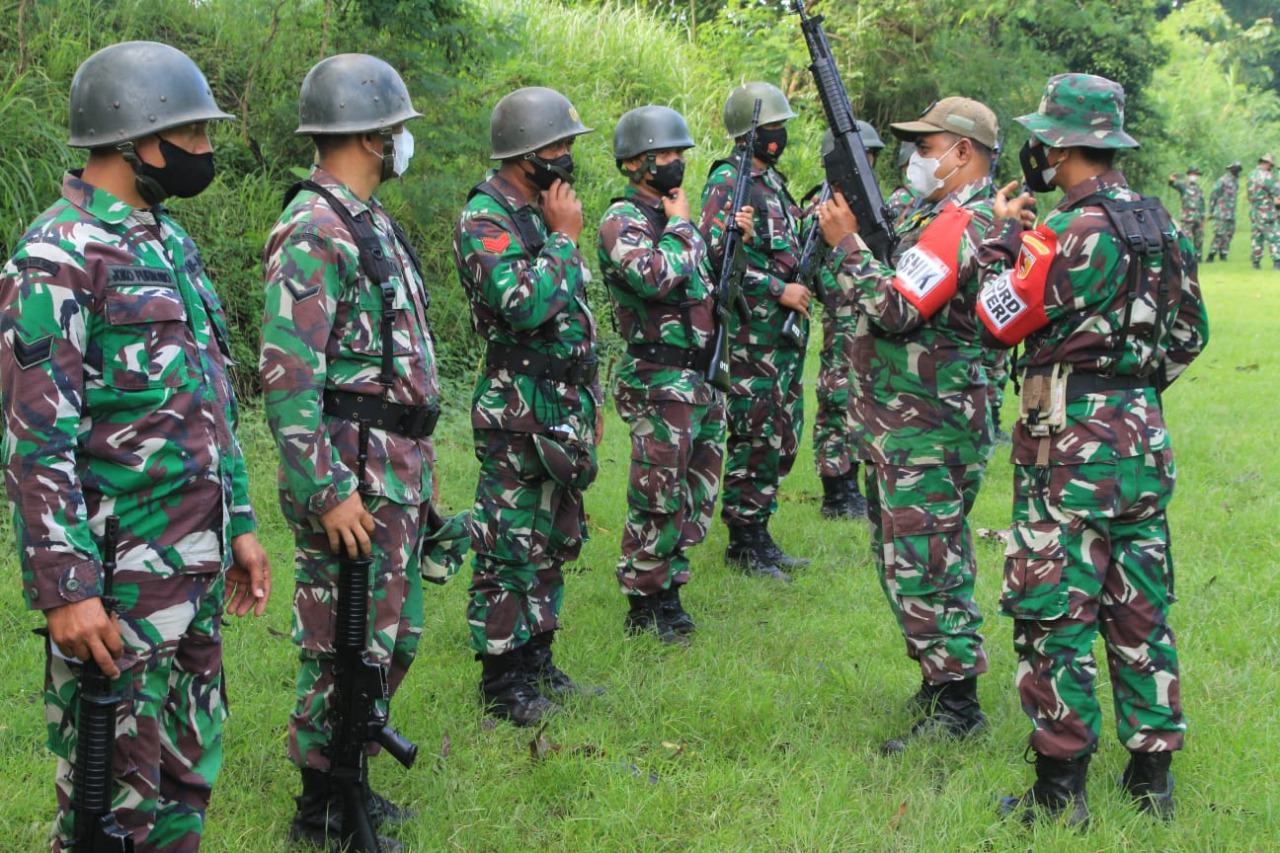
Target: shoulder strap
523	218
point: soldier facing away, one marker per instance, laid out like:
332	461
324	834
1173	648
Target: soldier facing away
1107	322
1222	211
1192	195
1264	220
332	361
535	415
117	402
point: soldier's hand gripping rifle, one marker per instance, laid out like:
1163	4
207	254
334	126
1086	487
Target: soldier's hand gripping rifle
96	829
847	165
733	267
809	271
359	684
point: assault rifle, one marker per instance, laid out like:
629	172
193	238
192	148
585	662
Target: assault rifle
359	684
847	165
809	271
96	829
733	267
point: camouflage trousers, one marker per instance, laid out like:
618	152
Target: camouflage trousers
924	553
1223	231
833	449
676	454
524	528
765	419
1265	231
169	725
1194	229
996	364
395	616
1090	550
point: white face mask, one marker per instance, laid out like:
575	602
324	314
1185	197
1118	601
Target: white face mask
403	151
922	172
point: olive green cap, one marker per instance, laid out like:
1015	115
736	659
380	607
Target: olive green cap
1080	111
742	101
352	93
1267	158
651	128
529	119
961	116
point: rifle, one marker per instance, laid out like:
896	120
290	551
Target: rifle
847	165
96	829
359	684
809	272
733	267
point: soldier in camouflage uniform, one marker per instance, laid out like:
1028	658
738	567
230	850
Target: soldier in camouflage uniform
766	400
323	353
113	360
654	262
1192	194
1222	210
1264	198
902	197
536	411
920	403
1107	323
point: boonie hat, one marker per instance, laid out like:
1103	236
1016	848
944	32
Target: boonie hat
1080	111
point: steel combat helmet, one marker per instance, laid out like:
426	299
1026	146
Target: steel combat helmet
742	100
529	119
352	93
650	128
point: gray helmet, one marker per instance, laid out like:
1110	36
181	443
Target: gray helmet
352	93
134	89
529	119
742	100
869	137
905	150
649	129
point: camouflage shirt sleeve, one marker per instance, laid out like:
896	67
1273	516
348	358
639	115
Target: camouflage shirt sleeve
656	272
1189	334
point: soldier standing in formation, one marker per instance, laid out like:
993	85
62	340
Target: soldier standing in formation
1264	198
766	401
1107	322
329	365
536	413
117	402
920	403
1222	210
1192	195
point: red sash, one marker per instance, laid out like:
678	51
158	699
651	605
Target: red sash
1012	306
928	273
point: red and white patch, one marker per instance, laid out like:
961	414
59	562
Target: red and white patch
1012	305
928	273
498	244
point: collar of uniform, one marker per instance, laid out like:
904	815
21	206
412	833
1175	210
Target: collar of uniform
642	195
96	202
514	195
340	191
1089	186
965	194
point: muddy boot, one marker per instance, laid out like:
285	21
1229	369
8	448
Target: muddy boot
318	820
1057	795
673	611
774	552
1149	780
507	687
552	681
646	615
746	552
951	710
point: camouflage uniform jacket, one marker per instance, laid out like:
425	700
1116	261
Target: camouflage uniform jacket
920	390
899	202
535	299
1192	199
1085	299
116	399
1222	201
660	282
772	254
323	330
1264	194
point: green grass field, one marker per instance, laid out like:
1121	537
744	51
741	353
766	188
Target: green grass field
763	735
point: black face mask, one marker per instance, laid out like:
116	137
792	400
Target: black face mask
183	174
547	172
1034	158
667	177
770	144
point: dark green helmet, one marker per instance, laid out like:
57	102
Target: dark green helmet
647	129
352	93
134	89
529	119
742	100
870	139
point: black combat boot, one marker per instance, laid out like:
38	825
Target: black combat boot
999	435
1257	265
1222	257
950	709
673	611
1058	793
507	688
1210	258
552	681
318	820
646	615
855	503
1149	780
747	553
384	812
921	702
774	552
833	497
1275	264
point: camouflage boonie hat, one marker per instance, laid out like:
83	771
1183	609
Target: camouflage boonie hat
1235	166
1267	158
1080	111
1193	170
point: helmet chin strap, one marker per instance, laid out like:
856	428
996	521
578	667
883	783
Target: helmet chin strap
148	187
550	167
649	165
388	155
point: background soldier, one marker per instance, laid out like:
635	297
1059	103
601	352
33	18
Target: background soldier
536	410
113	360
1222	210
920	402
1264	197
902	197
1106	326
1192	194
766	402
324	372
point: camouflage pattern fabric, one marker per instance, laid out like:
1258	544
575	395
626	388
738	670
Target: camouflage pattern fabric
1264	198
113	361
1192	210
766	399
1090	546
660	284
899	202
323	330
1080	110
996	364
1222	210
524	525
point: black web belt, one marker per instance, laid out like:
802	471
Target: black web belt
409	421
1079	384
530	362
672	356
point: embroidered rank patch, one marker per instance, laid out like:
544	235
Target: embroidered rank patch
498	244
30	354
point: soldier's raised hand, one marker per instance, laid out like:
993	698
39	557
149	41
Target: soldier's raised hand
83	630
836	219
676	203
562	210
1021	207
